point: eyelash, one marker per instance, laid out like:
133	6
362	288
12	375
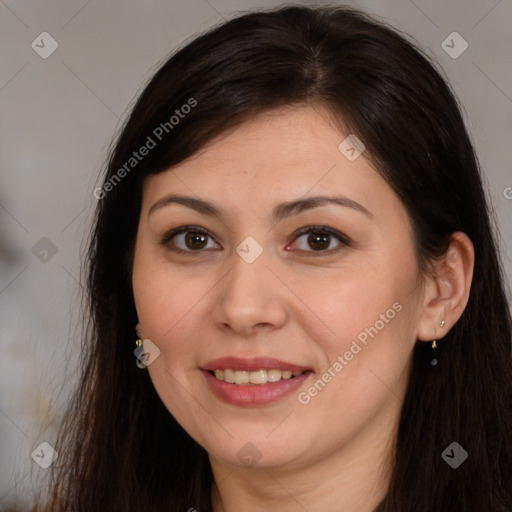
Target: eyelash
343	239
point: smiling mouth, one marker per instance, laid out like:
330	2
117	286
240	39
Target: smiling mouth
254	378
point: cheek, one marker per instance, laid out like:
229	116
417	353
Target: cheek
364	361
168	304
342	305
362	335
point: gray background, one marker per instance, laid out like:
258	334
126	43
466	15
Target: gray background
58	116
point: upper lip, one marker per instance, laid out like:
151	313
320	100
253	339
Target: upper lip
252	364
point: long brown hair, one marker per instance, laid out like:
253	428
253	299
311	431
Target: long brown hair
119	447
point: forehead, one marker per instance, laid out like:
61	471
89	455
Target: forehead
281	155
289	133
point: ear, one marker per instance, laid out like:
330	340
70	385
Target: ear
446	291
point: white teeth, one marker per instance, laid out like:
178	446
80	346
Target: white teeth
241	377
273	375
229	376
257	377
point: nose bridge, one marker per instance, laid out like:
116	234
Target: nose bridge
249	296
246	280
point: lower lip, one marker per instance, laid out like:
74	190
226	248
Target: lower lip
254	394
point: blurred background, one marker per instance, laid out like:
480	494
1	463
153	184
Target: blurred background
69	73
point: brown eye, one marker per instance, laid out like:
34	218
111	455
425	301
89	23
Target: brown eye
188	239
195	240
318	241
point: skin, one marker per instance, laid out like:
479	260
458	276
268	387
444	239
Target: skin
293	303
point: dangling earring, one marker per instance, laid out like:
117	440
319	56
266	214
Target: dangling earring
434	346
139	348
433	362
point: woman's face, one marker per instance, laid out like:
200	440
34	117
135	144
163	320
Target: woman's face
239	280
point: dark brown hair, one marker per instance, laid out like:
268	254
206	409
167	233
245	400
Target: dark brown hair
119	447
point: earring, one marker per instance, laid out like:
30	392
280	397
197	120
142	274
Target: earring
433	362
434	346
139	350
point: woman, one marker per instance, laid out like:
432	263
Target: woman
295	296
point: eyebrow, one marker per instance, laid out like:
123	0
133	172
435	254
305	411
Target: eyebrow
280	211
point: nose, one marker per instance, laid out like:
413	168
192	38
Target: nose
250	299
